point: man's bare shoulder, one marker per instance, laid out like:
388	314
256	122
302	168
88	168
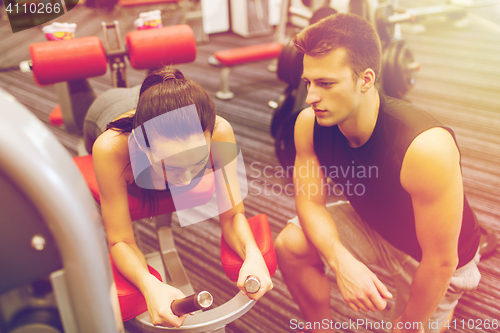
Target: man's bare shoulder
430	161
304	130
306	117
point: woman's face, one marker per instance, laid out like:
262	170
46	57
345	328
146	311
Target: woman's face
178	161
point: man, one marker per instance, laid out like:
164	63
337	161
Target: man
400	170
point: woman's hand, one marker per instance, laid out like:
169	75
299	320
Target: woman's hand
159	297
255	265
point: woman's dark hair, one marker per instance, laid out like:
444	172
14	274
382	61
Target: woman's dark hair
164	90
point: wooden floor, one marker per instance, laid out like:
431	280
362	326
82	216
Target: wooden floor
458	84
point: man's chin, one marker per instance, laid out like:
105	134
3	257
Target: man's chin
326	121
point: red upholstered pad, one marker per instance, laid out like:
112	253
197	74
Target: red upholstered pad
67	60
86	166
231	262
199	195
250	53
132	302
151	48
55	117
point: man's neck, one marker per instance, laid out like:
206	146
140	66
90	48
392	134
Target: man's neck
359	128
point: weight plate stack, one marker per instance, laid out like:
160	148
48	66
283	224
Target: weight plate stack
285	106
290	62
285	125
398	69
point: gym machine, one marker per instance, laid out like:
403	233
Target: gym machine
54	264
37	298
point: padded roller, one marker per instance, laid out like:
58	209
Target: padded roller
132	302
59	61
231	261
148	49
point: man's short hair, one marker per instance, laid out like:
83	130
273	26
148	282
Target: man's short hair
349	31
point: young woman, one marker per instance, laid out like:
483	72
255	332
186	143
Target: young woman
174	125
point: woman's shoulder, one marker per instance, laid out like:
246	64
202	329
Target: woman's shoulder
223	131
111	151
111	142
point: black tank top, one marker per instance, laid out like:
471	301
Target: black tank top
369	176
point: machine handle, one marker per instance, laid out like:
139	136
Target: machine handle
252	284
204	299
195	302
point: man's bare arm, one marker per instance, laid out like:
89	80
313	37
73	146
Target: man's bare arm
360	288
431	174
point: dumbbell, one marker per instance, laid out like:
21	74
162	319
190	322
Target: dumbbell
203	299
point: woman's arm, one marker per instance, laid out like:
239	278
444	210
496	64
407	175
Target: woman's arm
109	165
234	225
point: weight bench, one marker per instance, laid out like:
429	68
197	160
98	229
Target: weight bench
238	56
169	266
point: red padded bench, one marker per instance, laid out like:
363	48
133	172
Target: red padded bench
132	302
238	56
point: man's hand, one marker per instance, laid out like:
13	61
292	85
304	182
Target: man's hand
159	298
395	328
360	288
255	265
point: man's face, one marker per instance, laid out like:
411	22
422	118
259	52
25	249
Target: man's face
332	93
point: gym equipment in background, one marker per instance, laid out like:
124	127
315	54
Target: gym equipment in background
242	55
398	69
250	18
215	16
68	64
238	56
